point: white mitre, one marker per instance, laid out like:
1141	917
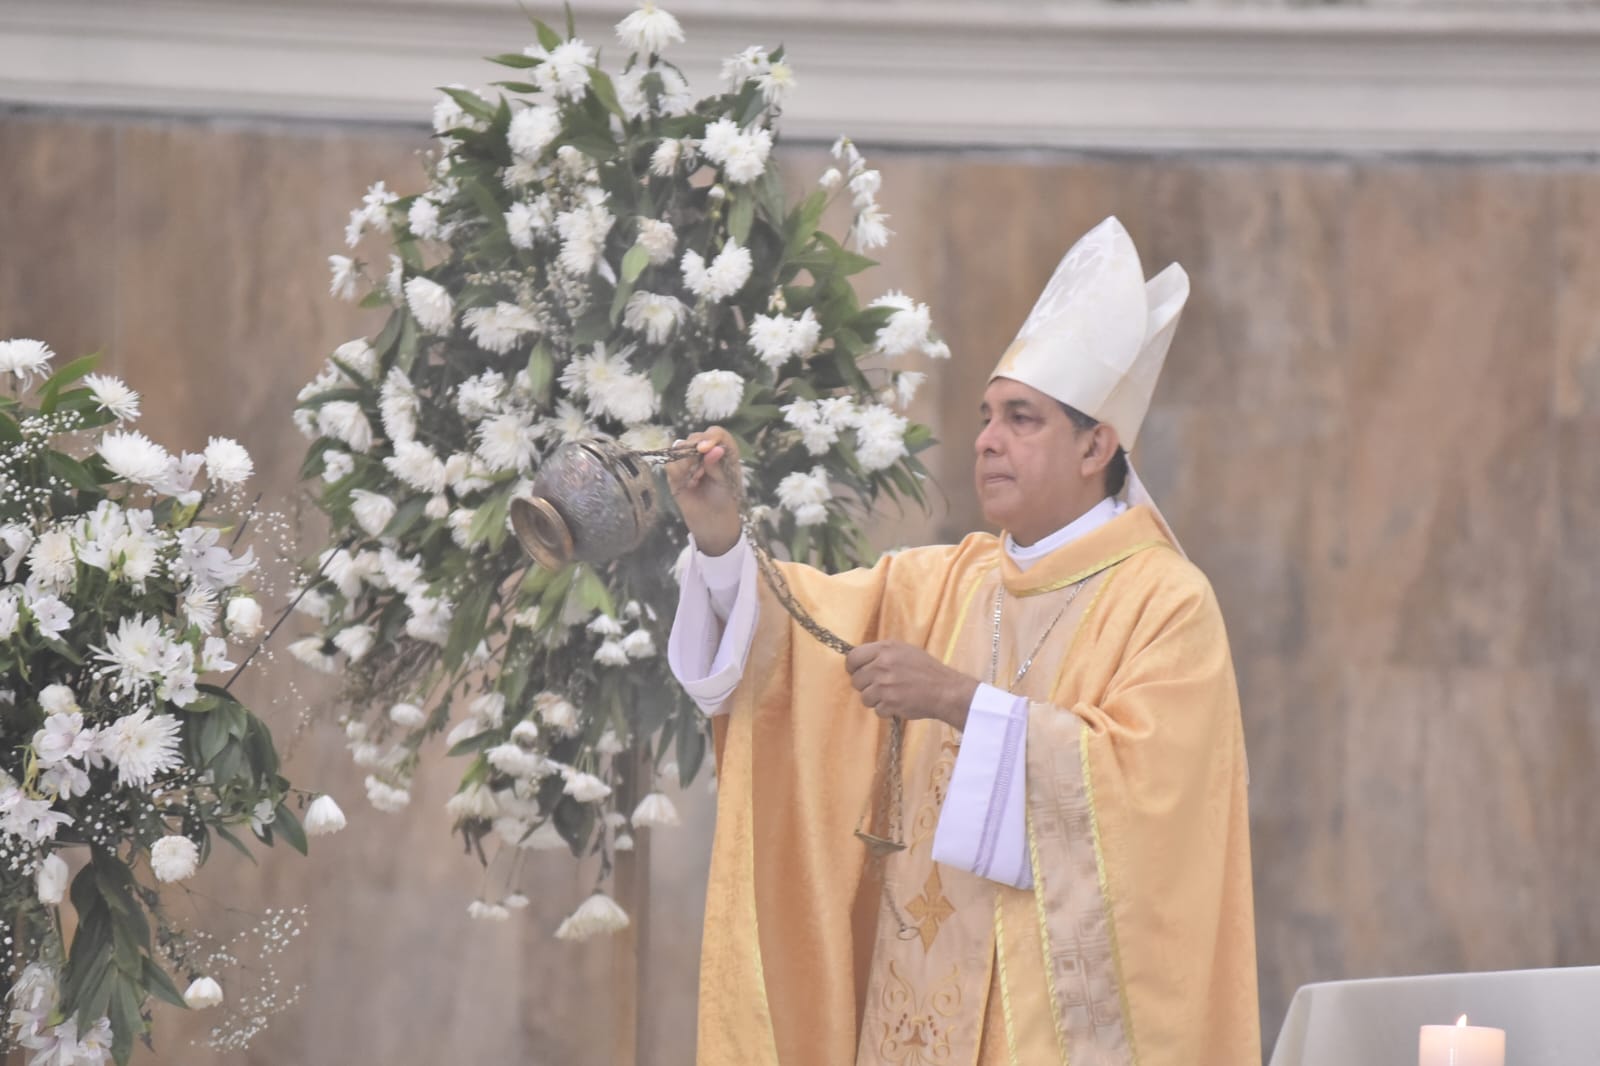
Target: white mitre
1098	337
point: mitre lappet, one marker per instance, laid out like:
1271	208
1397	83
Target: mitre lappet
1098	336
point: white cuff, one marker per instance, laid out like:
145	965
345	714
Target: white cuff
706	654
983	824
723	574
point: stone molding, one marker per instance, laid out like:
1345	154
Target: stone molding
1519	80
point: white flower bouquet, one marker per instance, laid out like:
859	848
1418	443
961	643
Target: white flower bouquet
119	598
594	256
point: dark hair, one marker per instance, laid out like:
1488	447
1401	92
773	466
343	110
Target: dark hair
1117	469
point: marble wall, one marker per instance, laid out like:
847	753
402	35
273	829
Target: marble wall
1379	433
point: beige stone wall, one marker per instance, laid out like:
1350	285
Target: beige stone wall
1379	433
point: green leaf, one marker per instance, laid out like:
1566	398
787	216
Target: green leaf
126	1022
71	471
389	334
489	521
405	516
213	737
63	649
476	743
470	102
159	984
63	377
225	834
740	217
606	93
541	372
515	60
466	629
285	822
803	221
592	592
634	262
690	748
548	38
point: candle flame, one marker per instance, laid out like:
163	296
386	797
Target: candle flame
1461	1021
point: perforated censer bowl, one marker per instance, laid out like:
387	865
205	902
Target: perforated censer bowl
591	501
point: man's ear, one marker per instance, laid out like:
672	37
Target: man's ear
1099	448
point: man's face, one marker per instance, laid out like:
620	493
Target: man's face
1030	464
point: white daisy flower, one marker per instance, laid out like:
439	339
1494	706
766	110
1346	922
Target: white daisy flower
714	395
345	277
25	358
227	461
806	496
880	437
532	130
113	396
134	457
565	70
657	239
345	421
140	746
372	510
655	315
430	304
174	858
649	30
724	276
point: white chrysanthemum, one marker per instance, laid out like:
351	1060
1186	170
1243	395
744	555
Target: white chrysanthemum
831	179
723	277
472	802
664	160
479	396
603	625
531	131
227	461
430	305
557	712
57	699
654	314
507	442
871	229
880	437
336	466
743	155
243	617
653	811
25	358
430	618
639	644
907	329
407	715
423	219
174	858
776	339
488	708
819	422
738	69
415	464
345	421
372	511
397	406
137	652
113	396
525	733
386	797
345	277
203	992
906	384
649	30
497	329
134	457
565	70
613	389
646	438
52	561
611	653
354	641
199	606
658	239
806	496
313	651
714	395
516	761
583	237
487	912
526	219
777	84
140	746
598	915
585	788
323	817
864	188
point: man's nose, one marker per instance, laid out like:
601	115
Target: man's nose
987	441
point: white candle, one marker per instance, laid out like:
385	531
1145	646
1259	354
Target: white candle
1462	1045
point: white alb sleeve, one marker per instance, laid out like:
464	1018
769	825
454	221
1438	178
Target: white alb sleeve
718	605
983	824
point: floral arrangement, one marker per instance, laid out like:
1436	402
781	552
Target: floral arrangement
593	256
119	597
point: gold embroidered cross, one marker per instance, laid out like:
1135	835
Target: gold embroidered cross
930	909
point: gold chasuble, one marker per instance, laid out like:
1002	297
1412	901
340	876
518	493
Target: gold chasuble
1135	945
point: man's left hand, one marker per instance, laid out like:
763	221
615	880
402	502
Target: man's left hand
901	681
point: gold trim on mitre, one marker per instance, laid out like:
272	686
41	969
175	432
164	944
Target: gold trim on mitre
1098	336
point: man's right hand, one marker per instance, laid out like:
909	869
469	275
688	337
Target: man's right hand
703	489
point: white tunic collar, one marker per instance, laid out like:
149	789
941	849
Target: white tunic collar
1088	522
